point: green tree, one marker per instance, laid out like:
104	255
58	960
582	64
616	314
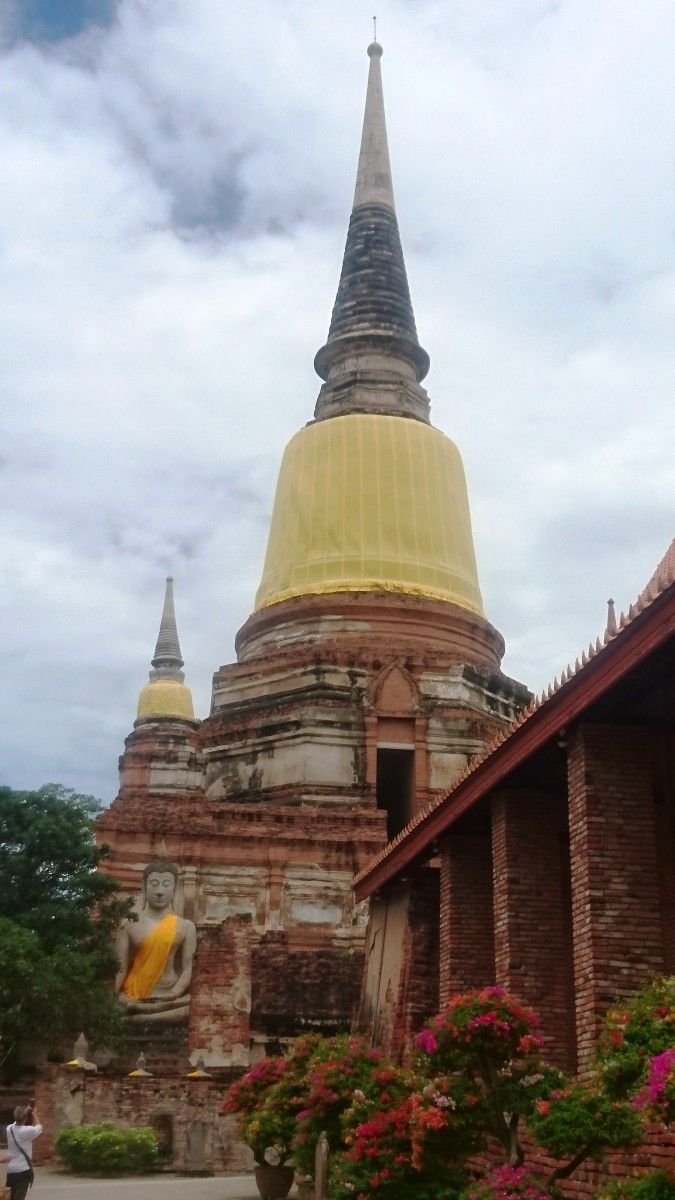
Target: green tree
58	912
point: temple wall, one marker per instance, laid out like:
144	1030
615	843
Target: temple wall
219	1025
186	1112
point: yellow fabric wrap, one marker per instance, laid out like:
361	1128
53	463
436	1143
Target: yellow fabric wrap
165	698
371	503
151	958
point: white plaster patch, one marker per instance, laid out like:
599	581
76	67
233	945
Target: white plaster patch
305	912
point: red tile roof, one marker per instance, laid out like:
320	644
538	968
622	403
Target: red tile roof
599	667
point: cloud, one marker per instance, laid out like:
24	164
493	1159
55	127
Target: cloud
173	215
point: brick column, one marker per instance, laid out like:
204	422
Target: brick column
467	956
618	939
533	952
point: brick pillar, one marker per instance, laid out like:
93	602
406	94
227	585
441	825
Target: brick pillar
663	745
467	955
533	952
618	939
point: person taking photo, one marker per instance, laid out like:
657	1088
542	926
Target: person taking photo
21	1134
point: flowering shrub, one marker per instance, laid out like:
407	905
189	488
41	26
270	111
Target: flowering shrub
268	1098
395	1133
447	1122
657	1185
490	1040
510	1183
261	1128
245	1094
338	1068
657	1097
634	1032
579	1121
484	1023
378	1162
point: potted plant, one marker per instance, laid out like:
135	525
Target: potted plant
268	1129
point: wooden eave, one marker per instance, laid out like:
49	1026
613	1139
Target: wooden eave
646	632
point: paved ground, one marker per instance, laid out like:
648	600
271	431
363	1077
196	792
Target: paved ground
55	1185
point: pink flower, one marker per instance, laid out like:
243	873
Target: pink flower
661	1071
426	1041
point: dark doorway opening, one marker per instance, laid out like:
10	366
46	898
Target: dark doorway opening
395	787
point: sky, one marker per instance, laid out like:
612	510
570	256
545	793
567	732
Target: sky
176	184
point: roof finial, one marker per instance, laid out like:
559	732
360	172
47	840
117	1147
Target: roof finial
167	650
610	629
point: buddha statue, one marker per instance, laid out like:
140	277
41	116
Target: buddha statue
156	952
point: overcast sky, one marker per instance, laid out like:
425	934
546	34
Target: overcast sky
176	183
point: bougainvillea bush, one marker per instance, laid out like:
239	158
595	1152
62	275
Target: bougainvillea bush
634	1032
377	1159
491	1041
511	1183
339	1067
478	1077
267	1099
657	1096
411	1139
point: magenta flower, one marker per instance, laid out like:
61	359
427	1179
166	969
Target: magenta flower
661	1074
426	1041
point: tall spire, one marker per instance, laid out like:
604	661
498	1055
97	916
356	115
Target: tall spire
373	176
372	360
167	650
166	694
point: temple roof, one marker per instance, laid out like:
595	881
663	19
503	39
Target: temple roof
645	628
372	309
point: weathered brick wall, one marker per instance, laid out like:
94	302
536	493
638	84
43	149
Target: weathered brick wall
70	1098
293	991
466	939
418	987
533	952
220	993
656	1152
616	914
664	810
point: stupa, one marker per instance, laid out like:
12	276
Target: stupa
367	676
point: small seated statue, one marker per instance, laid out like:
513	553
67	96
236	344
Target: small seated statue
156	952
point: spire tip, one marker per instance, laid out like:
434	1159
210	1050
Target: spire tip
375	47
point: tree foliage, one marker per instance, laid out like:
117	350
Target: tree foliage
58	912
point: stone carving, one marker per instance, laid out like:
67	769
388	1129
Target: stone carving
156	952
321	1168
197	1159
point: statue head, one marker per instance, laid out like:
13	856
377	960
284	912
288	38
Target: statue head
160	879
